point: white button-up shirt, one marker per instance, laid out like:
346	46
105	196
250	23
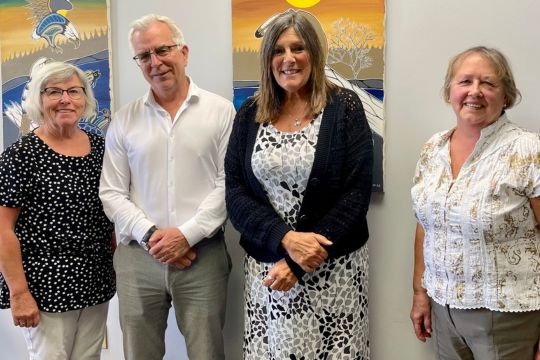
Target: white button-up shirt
167	172
481	244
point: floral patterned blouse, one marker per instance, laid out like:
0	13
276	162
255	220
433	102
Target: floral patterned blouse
481	244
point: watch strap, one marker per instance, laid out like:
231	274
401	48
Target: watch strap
147	236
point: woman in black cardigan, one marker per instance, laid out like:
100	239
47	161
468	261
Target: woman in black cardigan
298	184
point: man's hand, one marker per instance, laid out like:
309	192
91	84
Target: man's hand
306	249
186	261
280	277
24	310
169	246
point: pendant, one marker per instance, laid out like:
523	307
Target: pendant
297	122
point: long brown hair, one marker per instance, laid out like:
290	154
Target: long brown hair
270	95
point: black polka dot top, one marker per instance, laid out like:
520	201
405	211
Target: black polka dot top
64	235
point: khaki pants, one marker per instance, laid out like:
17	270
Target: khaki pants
483	334
147	289
71	335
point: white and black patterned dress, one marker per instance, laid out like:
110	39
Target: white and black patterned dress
324	316
64	235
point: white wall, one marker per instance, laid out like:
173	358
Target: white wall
421	37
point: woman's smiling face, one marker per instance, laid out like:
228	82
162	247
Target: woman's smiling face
476	94
291	65
64	111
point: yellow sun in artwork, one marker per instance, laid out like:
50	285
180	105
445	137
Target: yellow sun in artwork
303	3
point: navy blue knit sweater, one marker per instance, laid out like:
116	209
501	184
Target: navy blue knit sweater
338	191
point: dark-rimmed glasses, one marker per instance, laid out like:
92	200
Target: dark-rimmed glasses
55	93
161	52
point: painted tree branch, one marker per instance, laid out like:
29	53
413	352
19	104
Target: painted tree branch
349	45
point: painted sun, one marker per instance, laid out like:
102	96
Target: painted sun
303	3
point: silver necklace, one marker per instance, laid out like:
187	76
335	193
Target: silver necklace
297	121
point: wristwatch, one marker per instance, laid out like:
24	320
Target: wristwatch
146	237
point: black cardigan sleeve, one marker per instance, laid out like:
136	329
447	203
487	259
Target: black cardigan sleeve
348	209
336	208
250	212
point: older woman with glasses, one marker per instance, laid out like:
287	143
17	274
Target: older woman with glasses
55	240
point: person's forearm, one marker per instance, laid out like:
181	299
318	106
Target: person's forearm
535	204
210	215
115	189
11	263
418	260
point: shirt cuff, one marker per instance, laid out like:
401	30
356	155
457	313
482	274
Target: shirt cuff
192	232
141	228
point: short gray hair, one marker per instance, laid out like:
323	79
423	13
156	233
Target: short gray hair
142	23
55	72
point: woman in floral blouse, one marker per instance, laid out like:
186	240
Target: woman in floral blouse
476	197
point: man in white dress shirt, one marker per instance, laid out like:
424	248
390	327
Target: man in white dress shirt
163	186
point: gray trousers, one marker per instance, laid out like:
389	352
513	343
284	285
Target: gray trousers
147	288
483	334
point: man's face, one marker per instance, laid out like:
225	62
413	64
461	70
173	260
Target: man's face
163	73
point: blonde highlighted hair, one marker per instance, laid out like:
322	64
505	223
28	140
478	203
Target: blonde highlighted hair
502	68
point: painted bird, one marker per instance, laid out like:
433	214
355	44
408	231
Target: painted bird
50	21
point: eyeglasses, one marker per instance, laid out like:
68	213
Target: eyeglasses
161	52
55	93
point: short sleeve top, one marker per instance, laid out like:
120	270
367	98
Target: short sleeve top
64	235
481	242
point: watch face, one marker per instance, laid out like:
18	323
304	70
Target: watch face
145	246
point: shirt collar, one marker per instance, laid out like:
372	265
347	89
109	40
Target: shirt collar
485	132
192	95
493	128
